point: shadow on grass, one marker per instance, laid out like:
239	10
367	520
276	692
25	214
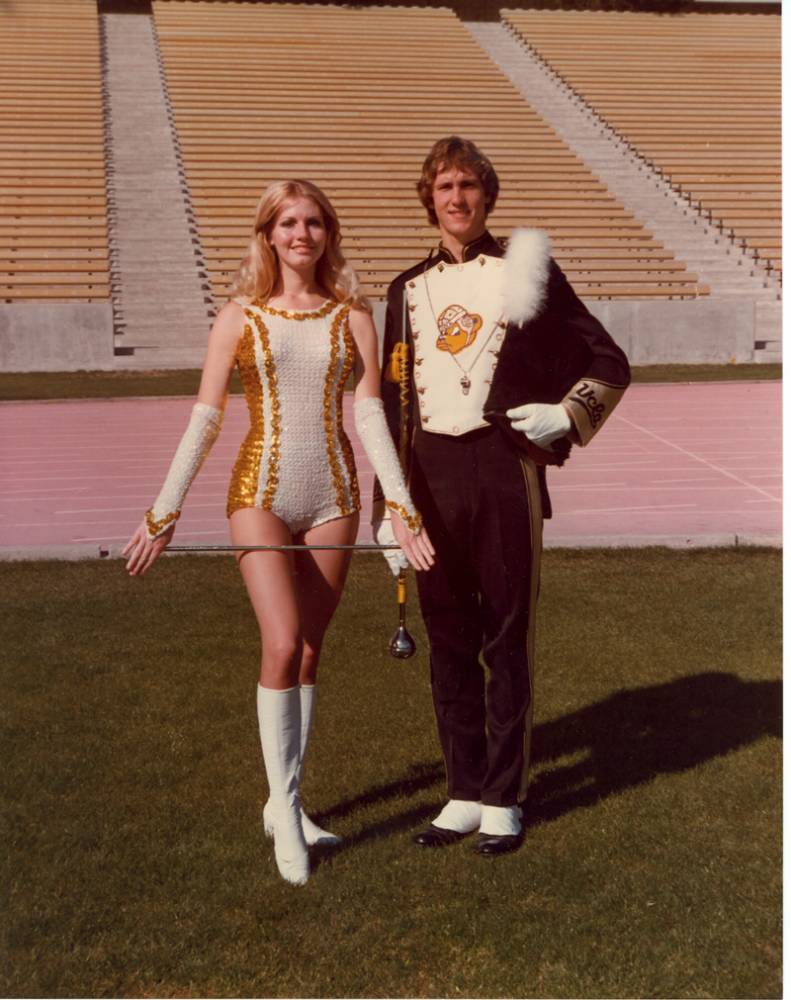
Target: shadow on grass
624	741
636	735
421	775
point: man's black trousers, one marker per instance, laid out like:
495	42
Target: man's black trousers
481	505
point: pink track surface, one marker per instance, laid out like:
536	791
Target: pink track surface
676	464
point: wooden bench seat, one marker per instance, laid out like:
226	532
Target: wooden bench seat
57	293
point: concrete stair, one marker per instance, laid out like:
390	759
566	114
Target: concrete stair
718	262
162	303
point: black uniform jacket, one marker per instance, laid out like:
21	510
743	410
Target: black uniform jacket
545	360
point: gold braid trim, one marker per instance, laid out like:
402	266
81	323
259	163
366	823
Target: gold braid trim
413	523
155	528
322	311
247	468
332	457
346	448
403	400
274	405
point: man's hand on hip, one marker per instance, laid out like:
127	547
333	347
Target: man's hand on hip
541	423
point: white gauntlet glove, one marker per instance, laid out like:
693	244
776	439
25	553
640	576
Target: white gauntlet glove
371	426
195	445
541	423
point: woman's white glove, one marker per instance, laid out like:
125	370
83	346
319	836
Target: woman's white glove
155	532
541	423
405	527
384	535
371	427
195	445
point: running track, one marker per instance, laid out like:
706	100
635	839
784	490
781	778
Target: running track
676	465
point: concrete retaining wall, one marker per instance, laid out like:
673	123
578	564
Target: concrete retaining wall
700	331
56	336
63	336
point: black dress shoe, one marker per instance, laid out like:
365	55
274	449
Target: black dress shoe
490	844
437	836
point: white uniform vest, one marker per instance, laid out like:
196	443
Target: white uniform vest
458	325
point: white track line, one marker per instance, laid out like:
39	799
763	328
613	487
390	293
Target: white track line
696	458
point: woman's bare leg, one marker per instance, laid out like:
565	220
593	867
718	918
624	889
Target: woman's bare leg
272	586
320	577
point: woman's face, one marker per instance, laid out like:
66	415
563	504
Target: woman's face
298	235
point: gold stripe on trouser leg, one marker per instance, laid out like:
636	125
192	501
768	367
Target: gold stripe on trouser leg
536	542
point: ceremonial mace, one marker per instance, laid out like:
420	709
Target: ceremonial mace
402	645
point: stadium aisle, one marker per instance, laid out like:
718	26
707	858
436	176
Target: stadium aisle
678	464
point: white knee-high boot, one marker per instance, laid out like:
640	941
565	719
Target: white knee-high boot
313	833
279	723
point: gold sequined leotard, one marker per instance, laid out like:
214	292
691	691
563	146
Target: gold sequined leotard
296	459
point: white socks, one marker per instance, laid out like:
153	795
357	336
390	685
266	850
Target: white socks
279	715
464	817
459	815
501	821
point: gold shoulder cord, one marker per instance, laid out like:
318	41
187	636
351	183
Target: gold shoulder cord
397	371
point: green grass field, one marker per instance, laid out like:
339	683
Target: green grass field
105	385
136	864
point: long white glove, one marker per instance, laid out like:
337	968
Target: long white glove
195	445
371	426
383	535
541	423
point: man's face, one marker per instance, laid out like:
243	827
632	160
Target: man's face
460	204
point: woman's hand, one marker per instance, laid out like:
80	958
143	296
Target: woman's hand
143	551
417	548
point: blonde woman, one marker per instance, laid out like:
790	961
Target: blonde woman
296	328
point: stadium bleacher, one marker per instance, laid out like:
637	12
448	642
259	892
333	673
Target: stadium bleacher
696	94
109	253
53	219
352	99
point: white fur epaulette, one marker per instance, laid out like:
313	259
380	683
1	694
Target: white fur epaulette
526	274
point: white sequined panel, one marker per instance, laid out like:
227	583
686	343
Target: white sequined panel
305	472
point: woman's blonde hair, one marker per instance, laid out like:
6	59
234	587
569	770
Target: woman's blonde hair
259	271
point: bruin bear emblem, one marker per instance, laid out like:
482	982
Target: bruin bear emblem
457	329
